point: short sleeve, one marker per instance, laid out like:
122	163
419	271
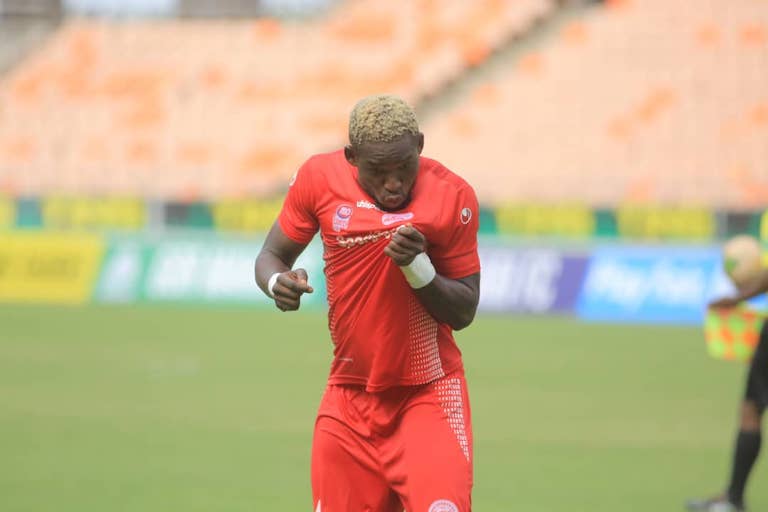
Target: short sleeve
455	254
297	218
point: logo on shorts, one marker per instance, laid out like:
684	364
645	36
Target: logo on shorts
391	218
341	217
465	216
443	506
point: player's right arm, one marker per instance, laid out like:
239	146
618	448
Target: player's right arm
276	258
753	289
288	237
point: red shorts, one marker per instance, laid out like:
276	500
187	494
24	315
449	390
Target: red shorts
404	448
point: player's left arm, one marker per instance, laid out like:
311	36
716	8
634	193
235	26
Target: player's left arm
453	301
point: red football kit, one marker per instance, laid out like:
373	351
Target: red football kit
393	428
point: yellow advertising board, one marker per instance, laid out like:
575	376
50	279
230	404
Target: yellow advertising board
91	213
245	216
7	213
648	222
48	268
764	236
546	220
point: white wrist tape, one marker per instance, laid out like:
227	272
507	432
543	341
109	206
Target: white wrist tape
420	272
271	284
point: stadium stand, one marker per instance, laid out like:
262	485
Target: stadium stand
685	123
20	35
182	110
38	8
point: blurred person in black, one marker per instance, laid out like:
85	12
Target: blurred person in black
749	437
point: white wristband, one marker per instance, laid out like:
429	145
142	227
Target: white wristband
271	284
420	272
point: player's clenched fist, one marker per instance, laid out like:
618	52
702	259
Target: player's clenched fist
288	289
406	243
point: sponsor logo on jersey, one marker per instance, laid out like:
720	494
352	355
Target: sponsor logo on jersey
367	205
341	217
465	216
391	218
443	506
352	241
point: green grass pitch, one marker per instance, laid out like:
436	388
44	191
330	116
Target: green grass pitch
184	409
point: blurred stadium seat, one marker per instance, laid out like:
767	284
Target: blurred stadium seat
684	121
213	109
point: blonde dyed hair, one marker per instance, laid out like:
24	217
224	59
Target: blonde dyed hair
381	118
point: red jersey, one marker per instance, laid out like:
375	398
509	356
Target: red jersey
382	334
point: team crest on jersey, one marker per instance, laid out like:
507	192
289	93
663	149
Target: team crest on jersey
391	218
341	217
443	506
465	216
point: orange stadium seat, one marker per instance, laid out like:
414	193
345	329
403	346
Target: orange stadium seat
209	109
643	101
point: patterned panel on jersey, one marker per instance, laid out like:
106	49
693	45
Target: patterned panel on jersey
330	290
425	364
449	395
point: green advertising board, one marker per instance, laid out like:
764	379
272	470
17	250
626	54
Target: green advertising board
199	269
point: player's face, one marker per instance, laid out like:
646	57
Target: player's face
387	170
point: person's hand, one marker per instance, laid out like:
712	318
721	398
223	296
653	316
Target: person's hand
724	303
406	243
289	288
